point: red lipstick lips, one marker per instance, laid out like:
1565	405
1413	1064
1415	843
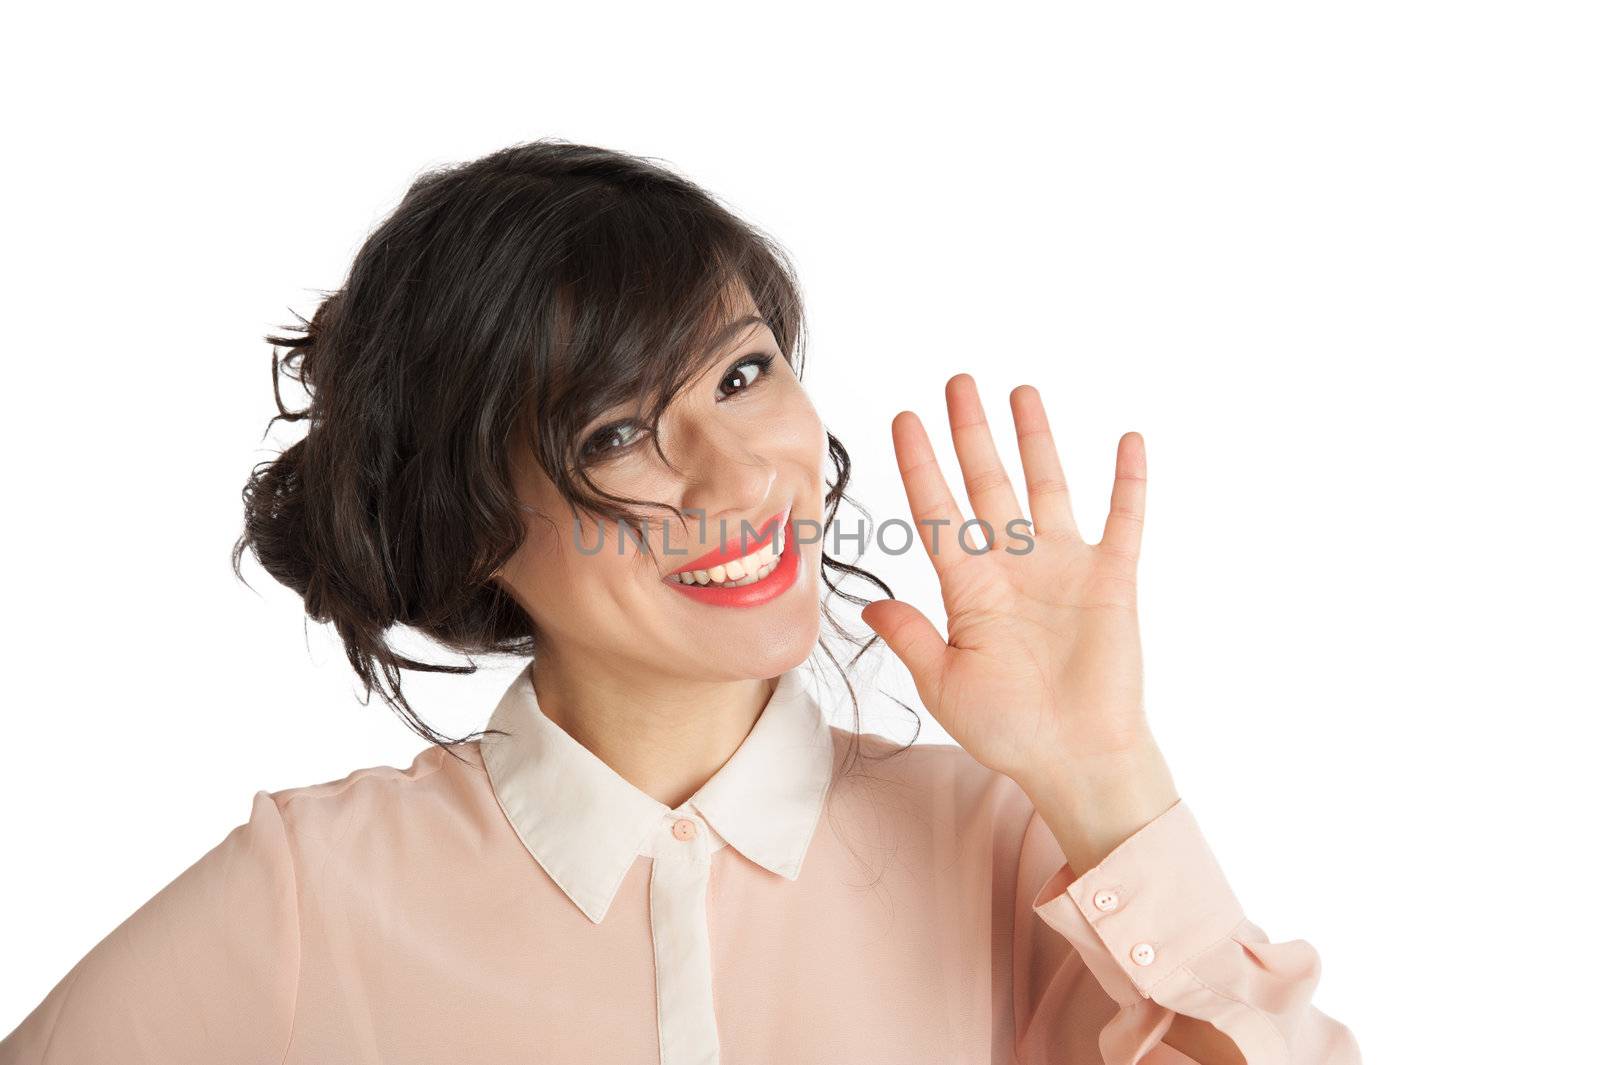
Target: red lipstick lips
783	575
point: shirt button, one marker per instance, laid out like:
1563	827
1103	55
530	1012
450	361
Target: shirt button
1106	900
683	828
1143	953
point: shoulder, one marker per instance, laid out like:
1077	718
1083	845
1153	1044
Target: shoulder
940	780
432	768
926	763
388	807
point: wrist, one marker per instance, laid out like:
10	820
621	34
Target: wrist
1092	805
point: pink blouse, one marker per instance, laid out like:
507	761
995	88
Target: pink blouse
533	906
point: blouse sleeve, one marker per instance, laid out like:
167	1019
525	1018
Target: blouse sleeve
204	972
1103	961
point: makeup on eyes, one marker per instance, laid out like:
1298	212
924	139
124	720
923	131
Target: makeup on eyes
763	360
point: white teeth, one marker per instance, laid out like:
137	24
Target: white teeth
741	571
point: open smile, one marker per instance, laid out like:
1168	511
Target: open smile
727	577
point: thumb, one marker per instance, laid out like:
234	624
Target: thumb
913	639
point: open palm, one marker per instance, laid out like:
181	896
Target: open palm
1042	666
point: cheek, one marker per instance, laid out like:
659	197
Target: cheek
579	580
799	431
601	555
560	553
803	447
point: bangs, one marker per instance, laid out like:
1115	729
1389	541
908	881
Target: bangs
647	296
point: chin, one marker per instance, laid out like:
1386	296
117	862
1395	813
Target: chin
779	646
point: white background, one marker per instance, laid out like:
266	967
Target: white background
1338	264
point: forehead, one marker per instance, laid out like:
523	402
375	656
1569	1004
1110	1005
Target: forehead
737	305
739	319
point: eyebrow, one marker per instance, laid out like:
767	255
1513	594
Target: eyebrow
733	327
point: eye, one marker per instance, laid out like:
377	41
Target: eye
611	440
744	375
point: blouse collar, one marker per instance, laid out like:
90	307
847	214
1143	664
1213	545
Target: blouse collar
585	824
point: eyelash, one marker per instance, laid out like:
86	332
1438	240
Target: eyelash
762	360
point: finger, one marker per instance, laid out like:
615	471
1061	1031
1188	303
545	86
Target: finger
933	508
1049	502
988	486
914	640
1125	524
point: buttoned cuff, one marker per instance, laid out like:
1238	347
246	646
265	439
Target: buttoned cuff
1155	903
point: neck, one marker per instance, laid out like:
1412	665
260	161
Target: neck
666	735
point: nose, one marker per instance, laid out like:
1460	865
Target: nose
725	476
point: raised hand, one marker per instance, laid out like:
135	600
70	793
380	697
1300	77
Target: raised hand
1041	676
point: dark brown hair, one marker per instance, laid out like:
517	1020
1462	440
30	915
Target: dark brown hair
504	303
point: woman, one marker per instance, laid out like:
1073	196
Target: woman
556	413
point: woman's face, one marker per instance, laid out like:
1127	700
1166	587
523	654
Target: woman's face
748	447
